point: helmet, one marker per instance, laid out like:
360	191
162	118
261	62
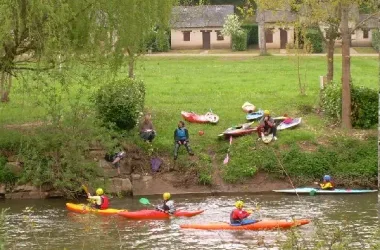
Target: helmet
266	112
239	204
166	196
326	178
99	191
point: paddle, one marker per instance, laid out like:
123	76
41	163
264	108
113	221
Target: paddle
85	189
227	159
145	201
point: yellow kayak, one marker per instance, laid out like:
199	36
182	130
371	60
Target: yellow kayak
83	209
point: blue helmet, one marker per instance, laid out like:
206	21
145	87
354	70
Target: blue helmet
326	178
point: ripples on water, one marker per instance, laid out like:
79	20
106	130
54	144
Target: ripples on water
51	226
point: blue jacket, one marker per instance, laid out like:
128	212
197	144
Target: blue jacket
181	135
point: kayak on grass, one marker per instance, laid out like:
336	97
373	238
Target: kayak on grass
308	190
248	107
206	118
157	215
239	130
254	115
289	123
261	225
84	209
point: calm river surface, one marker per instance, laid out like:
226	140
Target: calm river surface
50	226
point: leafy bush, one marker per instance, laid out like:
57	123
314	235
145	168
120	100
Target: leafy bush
158	40
376	39
364	104
252	33
315	37
6	175
121	102
204	169
239	41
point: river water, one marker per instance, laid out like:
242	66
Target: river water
48	225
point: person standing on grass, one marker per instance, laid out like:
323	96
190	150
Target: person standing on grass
181	137
266	126
147	132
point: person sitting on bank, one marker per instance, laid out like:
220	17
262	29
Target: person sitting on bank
147	132
239	216
327	183
167	205
181	137
99	201
266	126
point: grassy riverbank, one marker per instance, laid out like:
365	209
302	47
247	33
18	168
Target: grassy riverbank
223	85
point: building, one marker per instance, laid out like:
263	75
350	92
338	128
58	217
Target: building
199	27
362	36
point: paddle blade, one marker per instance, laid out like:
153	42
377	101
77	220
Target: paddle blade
226	160
144	201
85	189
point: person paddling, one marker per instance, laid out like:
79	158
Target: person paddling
239	216
327	183
167	205
181	137
100	201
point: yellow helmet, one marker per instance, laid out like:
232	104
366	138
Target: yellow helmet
266	112
166	196
239	204
99	191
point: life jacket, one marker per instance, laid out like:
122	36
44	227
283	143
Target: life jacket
327	185
232	219
181	133
165	207
105	202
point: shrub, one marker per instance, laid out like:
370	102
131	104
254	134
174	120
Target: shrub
121	102
376	39
252	33
6	175
364	104
239	41
162	41
315	37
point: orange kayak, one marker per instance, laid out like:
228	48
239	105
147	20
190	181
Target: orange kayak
157	215
261	225
84	209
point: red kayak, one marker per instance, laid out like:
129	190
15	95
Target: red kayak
206	118
239	130
157	215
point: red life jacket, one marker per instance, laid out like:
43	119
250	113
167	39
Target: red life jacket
105	202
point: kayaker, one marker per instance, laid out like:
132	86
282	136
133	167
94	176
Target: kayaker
181	137
327	183
147	132
100	201
167	204
239	216
266	126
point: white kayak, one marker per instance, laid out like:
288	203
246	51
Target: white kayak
295	122
308	190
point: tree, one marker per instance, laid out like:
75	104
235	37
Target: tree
38	35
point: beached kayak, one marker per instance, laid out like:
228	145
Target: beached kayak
289	123
239	130
83	209
206	118
261	225
254	115
157	215
320	191
248	107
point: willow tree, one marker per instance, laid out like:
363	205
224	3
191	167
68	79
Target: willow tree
39	35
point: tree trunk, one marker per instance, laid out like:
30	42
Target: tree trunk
330	58
5	86
346	64
262	41
131	64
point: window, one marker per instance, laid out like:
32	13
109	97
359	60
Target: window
186	35
268	35
365	33
219	35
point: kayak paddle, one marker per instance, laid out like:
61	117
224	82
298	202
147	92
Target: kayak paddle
227	159
144	201
85	189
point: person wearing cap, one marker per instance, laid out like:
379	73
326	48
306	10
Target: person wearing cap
100	201
266	126
327	183
167	205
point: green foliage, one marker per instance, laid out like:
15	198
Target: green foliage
159	40
364	104
6	174
204	170
252	33
10	140
239	41
315	37
376	39
121	102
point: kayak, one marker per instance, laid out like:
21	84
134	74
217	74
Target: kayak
289	124
261	225
156	215
254	115
206	118
248	107
307	190
239	130
84	209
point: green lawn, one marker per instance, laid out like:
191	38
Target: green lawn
365	50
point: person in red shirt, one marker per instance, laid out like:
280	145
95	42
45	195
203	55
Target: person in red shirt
239	216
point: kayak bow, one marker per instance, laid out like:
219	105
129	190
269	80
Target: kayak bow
84	209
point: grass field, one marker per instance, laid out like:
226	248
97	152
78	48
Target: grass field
222	85
365	50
